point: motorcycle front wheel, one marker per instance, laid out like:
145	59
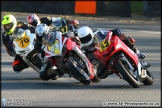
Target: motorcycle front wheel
76	71
121	68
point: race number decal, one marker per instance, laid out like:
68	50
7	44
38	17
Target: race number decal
103	45
55	48
24	42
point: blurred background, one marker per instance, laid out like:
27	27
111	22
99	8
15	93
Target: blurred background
90	8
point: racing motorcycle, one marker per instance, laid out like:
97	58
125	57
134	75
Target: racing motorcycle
111	56
23	45
66	56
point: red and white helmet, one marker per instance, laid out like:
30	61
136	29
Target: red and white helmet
33	19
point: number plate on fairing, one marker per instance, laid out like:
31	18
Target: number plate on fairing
104	45
24	42
55	48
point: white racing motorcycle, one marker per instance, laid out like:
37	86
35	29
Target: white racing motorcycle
23	44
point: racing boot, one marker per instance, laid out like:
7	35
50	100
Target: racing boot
18	67
47	74
140	55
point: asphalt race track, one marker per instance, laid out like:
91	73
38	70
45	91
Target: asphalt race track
27	89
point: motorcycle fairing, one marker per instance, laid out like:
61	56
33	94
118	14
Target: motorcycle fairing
56	48
25	45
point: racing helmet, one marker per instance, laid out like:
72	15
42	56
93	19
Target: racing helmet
33	19
48	38
9	23
85	35
42	30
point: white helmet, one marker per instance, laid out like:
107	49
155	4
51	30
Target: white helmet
42	29
85	35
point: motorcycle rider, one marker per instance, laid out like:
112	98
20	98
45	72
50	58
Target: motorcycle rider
44	30
87	39
9	25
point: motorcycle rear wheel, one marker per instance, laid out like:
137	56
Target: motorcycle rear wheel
126	74
38	62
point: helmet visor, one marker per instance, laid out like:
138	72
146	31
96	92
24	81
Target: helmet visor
86	39
34	23
33	20
7	27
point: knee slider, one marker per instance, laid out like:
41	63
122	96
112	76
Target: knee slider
44	76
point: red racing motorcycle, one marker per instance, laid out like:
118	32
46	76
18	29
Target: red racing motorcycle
66	55
115	57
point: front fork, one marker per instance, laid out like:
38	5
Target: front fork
124	59
140	72
30	64
34	57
